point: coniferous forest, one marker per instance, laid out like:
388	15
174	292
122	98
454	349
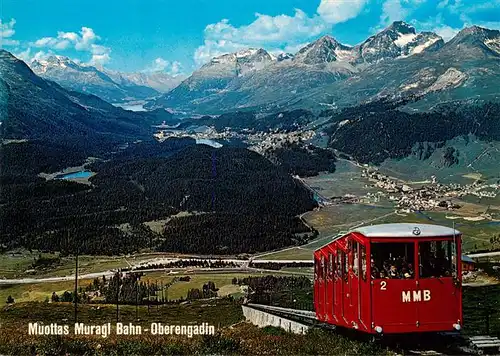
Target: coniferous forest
238	201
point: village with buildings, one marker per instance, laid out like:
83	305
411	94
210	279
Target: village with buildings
259	142
430	195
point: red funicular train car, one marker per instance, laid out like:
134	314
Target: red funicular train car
391	278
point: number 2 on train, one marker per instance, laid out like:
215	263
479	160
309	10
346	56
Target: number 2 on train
383	285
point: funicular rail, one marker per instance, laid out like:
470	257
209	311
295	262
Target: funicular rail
437	344
305	316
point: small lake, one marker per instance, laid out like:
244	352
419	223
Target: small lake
204	141
74	175
132	106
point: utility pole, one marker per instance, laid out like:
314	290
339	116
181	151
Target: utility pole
156	288
148	296
162	293
117	296
136	297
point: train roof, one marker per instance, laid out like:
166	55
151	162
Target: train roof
406	230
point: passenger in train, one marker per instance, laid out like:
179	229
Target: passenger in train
441	263
405	274
393	272
410	269
400	262
374	269
387	266
394	267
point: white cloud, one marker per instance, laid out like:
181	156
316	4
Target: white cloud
337	11
265	31
436	24
281	33
27	56
51	42
398	10
8	42
7	31
471	12
42	55
213	49
24	55
393	10
294	48
267	28
159	64
443	3
86	40
162	65
176	68
446	32
100	55
468	6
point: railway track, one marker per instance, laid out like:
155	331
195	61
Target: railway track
428	344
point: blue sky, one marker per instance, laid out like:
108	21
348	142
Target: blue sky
179	36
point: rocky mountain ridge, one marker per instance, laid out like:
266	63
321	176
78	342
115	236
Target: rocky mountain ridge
325	74
310	78
90	80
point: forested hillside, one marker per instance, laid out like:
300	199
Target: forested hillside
249	203
373	136
303	160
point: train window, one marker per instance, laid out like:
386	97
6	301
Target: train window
338	264
436	259
355	258
392	260
325	268
362	249
316	268
322	268
345	264
330	265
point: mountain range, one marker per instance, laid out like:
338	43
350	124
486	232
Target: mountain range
394	63
38	109
112	86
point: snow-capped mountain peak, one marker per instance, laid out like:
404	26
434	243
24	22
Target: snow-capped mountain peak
42	65
88	79
394	62
404	39
398	40
284	57
244	54
478	35
493	44
401	27
247	52
476	40
237	63
324	50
